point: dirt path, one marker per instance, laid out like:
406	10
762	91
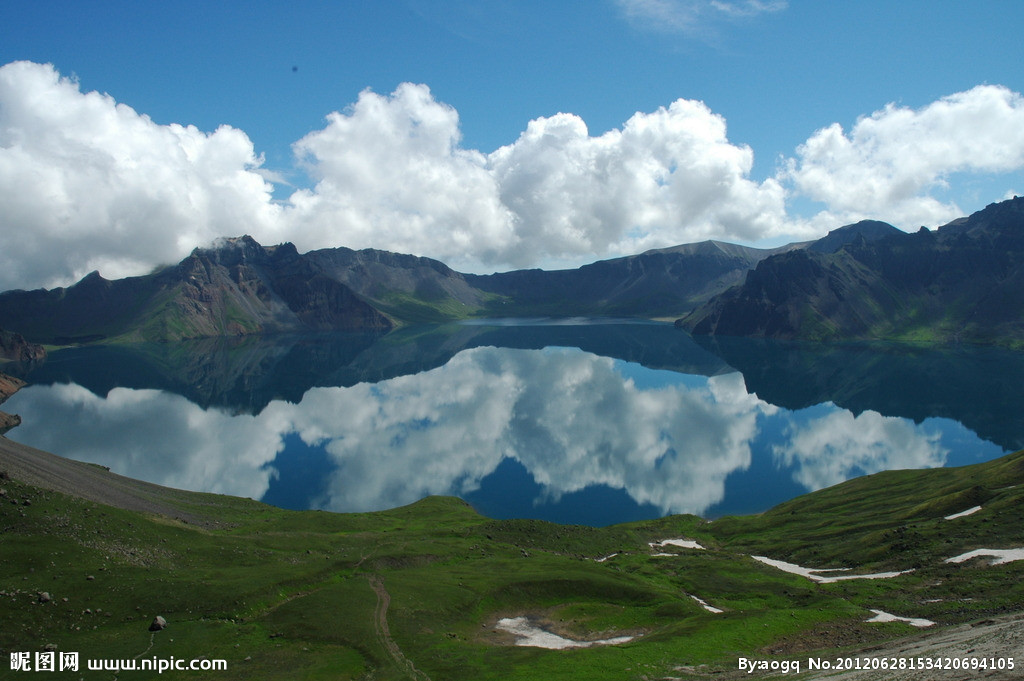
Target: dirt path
380	625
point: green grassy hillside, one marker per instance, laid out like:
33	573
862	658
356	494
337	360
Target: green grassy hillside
416	592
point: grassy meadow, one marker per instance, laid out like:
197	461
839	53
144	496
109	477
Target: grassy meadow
416	592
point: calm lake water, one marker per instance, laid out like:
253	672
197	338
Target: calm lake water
576	421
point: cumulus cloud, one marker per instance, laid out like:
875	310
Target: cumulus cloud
890	161
391	174
87	183
665	178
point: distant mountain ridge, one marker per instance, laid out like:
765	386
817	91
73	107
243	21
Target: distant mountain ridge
655	283
239	287
868	280
961	283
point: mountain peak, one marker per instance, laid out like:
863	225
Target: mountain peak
868	230
229	251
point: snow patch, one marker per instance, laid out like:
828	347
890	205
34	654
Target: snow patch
681	543
814	574
882	616
1001	555
961	514
529	634
709	608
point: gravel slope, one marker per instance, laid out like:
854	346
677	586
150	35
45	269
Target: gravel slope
990	639
95	483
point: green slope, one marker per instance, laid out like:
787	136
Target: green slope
416	592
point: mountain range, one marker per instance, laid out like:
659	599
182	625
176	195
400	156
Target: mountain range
868	280
961	283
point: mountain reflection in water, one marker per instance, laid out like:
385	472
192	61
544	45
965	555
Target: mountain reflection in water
584	422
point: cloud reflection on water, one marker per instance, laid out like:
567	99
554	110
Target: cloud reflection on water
571	418
838	446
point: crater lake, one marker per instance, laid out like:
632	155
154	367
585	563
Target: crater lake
580	421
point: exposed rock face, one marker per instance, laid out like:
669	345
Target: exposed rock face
964	282
13	346
8	421
8	386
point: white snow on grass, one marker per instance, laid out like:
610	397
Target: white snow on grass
1000	555
681	543
815	575
882	616
604	558
709	608
961	514
528	634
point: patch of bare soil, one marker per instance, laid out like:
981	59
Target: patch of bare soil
833	635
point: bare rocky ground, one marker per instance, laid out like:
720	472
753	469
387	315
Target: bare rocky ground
992	640
92	482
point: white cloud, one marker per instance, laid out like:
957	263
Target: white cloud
891	161
391	175
665	178
87	183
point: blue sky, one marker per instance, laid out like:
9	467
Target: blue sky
530	134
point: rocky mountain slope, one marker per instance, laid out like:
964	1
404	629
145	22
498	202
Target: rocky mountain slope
236	288
242	288
407	287
863	281
961	283
655	283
